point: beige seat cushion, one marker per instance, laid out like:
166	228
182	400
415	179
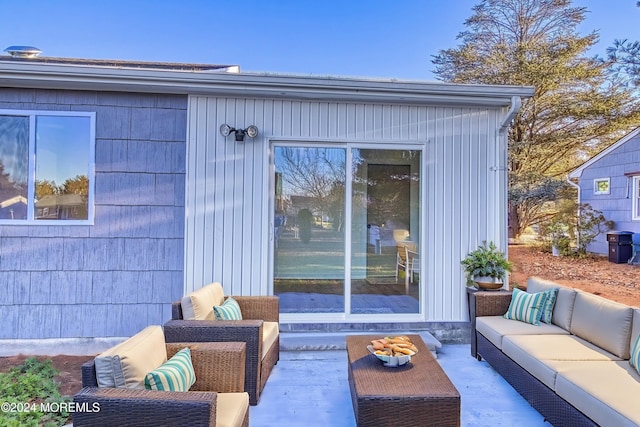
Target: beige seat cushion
270	333
198	305
607	392
536	353
603	322
494	328
231	409
126	364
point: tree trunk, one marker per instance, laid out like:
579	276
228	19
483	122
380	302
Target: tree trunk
514	221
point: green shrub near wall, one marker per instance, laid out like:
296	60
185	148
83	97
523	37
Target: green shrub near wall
27	390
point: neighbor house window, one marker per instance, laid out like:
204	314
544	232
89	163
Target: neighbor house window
46	167
635	210
601	186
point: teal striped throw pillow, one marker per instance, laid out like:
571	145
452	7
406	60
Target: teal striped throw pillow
635	355
176	374
549	302
229	310
526	307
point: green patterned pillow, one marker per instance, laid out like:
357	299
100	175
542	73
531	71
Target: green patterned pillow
176	374
635	355
229	310
526	307
549	302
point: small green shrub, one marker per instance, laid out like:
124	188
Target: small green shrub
574	228
27	389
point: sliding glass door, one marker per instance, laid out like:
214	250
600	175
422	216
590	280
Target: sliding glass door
385	230
346	229
309	229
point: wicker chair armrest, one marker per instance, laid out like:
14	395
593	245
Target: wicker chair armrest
246	331
213	331
492	303
176	311
265	308
122	407
219	366
89	378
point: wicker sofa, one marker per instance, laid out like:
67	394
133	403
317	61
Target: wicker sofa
574	370
193	321
114	393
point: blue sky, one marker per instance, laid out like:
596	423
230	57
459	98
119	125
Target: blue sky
366	38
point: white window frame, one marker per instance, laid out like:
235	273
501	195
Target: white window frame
32	114
635	199
597	181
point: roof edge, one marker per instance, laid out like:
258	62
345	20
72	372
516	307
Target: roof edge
28	74
577	172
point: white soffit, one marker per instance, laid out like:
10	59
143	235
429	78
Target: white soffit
26	74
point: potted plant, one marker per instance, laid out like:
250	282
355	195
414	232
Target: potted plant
486	266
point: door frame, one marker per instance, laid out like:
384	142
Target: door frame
269	219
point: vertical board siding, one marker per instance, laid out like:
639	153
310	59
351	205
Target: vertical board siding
114	277
228	233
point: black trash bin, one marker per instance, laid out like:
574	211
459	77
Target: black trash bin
620	246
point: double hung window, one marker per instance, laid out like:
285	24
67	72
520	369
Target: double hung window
46	167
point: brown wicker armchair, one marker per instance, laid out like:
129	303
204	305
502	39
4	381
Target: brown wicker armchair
258	330
216	398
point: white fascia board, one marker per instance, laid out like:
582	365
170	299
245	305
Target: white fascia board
75	77
577	172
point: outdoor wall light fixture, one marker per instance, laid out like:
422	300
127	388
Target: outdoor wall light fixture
251	132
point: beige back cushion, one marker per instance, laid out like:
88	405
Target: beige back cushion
198	305
602	322
563	308
126	364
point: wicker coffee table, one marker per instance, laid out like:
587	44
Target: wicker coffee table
417	394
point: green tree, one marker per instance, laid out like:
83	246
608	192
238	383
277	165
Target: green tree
77	185
46	188
577	108
625	58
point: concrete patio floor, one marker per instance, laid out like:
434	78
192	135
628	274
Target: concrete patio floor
309	388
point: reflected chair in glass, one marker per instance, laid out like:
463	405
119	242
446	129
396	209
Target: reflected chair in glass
413	264
401	261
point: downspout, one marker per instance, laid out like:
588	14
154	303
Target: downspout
577	186
516	103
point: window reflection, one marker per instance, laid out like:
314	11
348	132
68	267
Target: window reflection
14	166
62	169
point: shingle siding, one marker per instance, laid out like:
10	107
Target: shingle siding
616	205
119	275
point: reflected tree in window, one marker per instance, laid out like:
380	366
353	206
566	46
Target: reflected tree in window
317	173
14	166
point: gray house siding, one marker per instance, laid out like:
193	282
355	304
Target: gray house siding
114	277
617	204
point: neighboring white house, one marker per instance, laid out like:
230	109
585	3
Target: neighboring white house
176	201
610	182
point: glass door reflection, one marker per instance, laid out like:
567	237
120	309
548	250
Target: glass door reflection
385	202
309	229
